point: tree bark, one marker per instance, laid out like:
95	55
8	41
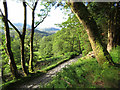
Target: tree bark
31	38
118	25
31	44
88	22
111	32
22	38
13	66
114	28
24	68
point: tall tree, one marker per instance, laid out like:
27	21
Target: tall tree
13	66
31	38
32	32
114	26
88	22
107	22
22	37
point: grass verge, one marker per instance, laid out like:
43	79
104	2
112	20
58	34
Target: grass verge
87	73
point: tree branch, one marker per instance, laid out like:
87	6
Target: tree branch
29	5
41	20
34	6
1	13
11	24
15	28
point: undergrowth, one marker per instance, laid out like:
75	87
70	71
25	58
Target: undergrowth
86	73
14	83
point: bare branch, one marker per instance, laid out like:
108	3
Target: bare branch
15	28
1	13
29	5
41	21
67	82
34	5
11	24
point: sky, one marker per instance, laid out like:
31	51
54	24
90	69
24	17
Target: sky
16	14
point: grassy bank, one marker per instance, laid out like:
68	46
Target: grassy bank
86	73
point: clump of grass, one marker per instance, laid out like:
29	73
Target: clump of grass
87	73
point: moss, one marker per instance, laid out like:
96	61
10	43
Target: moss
101	53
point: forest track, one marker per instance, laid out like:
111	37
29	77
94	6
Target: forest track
44	79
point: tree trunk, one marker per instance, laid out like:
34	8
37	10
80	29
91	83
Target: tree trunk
24	68
111	33
114	28
31	44
22	38
13	66
118	25
88	22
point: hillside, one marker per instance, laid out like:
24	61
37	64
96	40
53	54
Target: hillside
49	30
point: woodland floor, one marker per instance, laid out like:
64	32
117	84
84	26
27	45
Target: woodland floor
44	79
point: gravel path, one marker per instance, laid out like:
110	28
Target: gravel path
46	77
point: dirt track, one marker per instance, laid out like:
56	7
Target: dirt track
46	77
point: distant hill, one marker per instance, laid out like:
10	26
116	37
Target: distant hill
20	26
50	30
42	32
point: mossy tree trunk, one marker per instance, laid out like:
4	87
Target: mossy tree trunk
13	66
31	44
22	38
32	33
31	38
88	22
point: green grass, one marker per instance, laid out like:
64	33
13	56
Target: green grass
61	59
13	83
57	61
86	73
54	65
115	53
